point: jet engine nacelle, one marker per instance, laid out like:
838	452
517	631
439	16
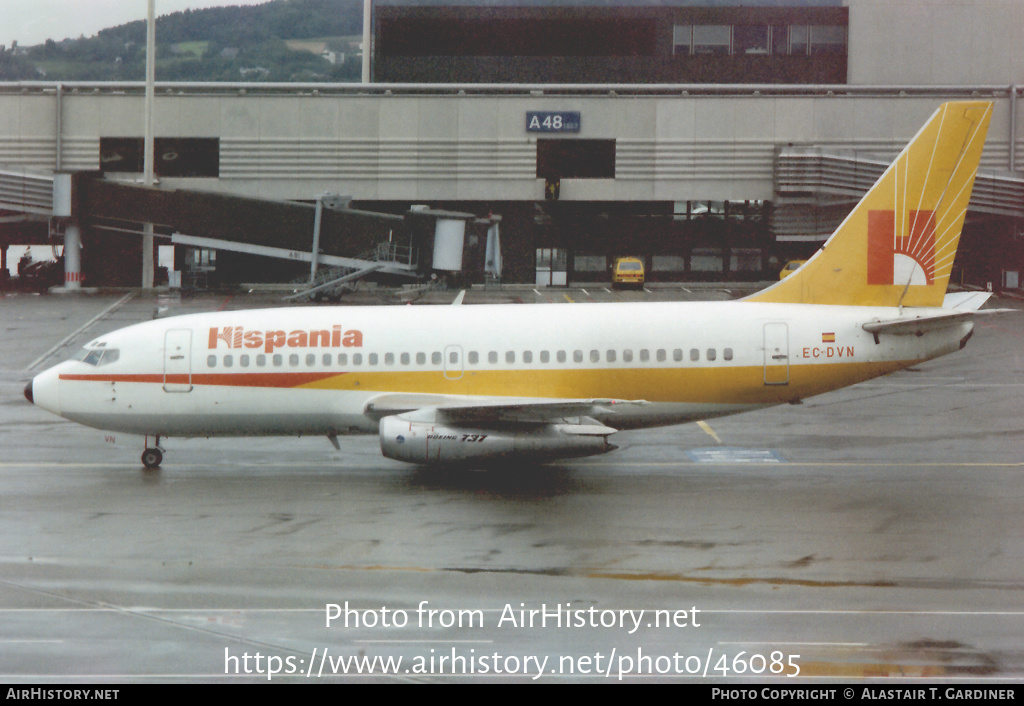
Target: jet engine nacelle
428	443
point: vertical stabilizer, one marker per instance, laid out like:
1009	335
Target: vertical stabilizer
897	245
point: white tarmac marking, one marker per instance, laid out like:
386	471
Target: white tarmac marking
38	361
709	431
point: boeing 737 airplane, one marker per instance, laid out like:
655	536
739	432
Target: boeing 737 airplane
467	384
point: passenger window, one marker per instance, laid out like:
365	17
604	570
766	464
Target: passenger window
712	354
343	359
510	357
405	359
243	360
527	356
278	360
474	357
492	357
228	360
435	358
545	357
561	356
211	361
261	360
372	359
293	359
610	356
627	356
677	355
389	359
595	356
727	354
577	356
453	357
694	354
661	355
421	359
327	360
310	359
357	359
645	355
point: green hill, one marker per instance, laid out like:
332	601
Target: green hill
238	43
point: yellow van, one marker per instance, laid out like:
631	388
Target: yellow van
628	271
790	267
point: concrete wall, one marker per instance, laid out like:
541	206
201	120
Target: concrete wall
936	42
294	145
294	142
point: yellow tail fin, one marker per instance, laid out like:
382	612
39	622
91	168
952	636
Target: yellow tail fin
897	245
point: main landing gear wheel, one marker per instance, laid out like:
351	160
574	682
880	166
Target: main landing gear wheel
151	458
153	455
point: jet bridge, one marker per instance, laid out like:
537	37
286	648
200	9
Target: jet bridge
341	244
326	282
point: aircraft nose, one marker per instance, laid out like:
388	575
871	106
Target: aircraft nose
43	391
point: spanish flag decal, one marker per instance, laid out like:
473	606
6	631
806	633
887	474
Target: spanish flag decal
828	338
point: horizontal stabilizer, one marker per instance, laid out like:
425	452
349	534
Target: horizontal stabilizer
922	324
965	301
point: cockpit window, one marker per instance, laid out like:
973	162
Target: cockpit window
97	356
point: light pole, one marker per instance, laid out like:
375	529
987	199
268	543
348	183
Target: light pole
367	4
147	148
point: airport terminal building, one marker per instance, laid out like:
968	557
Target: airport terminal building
713	142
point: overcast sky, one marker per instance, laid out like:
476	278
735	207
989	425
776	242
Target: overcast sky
34	21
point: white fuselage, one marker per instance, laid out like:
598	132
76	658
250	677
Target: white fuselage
305	371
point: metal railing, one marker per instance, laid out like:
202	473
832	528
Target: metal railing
330	283
178	88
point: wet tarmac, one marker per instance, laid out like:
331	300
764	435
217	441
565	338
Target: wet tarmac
872	533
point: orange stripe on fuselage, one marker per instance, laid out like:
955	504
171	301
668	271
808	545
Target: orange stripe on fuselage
279	380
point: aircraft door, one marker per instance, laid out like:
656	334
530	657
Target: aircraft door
453	365
178	360
776	353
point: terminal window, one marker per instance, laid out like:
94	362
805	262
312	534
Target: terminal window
682	39
172	156
798	39
826	39
576	159
712	39
758	39
750	39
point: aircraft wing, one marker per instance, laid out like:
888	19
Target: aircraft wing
483	410
431	428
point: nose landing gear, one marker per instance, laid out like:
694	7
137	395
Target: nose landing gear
153	455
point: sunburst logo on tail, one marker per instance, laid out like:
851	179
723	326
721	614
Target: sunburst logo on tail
901	255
